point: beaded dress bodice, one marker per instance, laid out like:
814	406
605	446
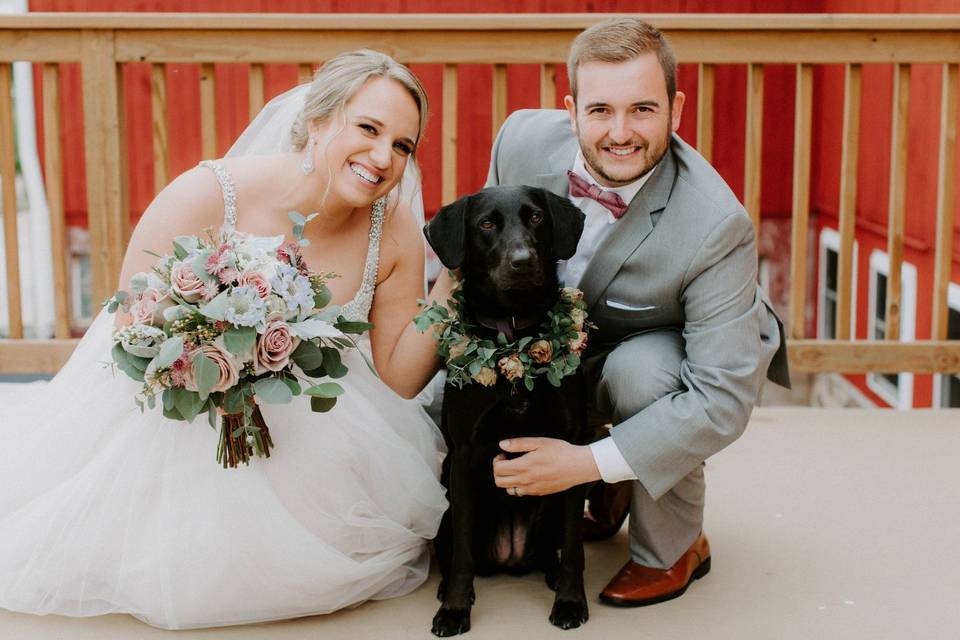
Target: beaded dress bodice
358	308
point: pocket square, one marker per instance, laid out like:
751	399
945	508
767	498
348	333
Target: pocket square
623	306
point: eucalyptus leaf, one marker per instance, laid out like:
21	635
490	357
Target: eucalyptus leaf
322	405
322	297
272	391
332	362
199	265
170	350
129	364
350	326
292	384
233	400
216	308
307	356
206	373
188	403
296	217
240	340
528	383
324	390
313	328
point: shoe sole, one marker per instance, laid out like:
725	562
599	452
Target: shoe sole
698	573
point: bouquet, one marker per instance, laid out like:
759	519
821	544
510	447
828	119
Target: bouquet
218	326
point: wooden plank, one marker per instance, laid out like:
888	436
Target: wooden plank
38	46
125	167
466	22
801	199
753	145
548	86
8	184
535	46
705	91
448	151
945	201
864	356
806	356
499	97
898	188
255	85
161	152
304	73
34	356
849	157
53	179
108	224
208	111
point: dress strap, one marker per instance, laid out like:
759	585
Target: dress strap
229	192
359	307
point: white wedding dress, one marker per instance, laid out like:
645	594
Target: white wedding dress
107	510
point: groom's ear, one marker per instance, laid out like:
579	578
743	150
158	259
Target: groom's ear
567	223
446	232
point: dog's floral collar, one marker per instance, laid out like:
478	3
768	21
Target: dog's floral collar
554	352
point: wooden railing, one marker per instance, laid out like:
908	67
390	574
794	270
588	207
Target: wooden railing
102	43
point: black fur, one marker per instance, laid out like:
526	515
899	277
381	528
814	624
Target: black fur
506	241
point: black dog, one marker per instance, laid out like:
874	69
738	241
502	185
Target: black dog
506	241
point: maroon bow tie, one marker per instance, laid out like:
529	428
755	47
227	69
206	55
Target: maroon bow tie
580	188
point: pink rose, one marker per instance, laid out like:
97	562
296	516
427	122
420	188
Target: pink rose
149	306
578	344
274	346
225	361
257	281
185	283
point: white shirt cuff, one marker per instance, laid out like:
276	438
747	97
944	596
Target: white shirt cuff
610	462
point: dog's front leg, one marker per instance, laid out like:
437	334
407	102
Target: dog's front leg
570	604
453	616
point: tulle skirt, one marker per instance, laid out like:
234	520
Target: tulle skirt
107	510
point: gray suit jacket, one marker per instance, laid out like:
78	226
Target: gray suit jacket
683	256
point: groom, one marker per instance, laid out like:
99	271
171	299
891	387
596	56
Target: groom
667	263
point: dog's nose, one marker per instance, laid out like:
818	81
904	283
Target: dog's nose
521	258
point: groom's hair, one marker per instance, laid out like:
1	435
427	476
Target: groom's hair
620	40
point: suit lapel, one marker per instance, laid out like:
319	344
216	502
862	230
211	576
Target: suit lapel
560	161
631	230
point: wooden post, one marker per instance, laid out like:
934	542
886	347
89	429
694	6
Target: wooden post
208	111
8	176
945	201
548	86
53	175
801	200
898	188
158	91
448	151
104	182
499	96
754	144
848	198
705	86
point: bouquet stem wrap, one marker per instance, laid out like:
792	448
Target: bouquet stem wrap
243	436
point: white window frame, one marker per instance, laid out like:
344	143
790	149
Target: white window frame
830	239
901	396
953	301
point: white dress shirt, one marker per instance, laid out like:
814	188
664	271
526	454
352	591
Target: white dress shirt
598	224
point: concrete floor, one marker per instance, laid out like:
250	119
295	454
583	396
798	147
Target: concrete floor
824	524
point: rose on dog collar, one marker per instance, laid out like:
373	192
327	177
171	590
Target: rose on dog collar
553	352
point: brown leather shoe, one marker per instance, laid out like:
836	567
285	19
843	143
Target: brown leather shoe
639	586
609	504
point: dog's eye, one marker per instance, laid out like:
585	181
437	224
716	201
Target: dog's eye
536	218
487	224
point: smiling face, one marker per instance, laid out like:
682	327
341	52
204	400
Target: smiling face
366	147
623	118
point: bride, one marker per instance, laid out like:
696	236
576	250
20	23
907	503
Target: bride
107	510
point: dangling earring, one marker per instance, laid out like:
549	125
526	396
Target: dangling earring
307	166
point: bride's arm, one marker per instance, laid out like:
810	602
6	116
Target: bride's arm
405	358
186	206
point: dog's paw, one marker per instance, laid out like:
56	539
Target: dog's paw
451	622
569	614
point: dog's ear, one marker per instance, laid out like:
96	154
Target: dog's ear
567	224
446	232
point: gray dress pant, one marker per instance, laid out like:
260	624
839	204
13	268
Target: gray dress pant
624	381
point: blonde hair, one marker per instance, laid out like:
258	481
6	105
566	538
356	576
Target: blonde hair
620	40
340	78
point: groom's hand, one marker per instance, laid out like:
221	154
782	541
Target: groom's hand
547	466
